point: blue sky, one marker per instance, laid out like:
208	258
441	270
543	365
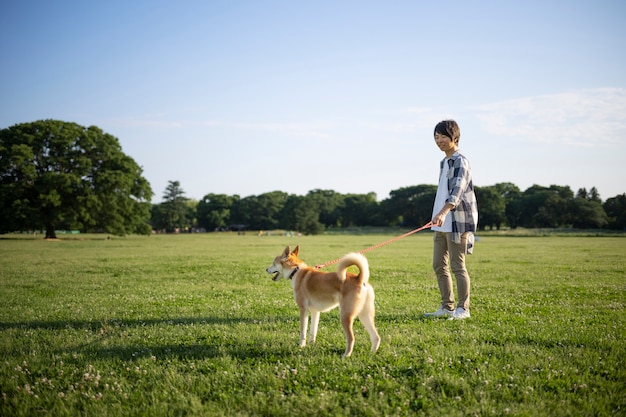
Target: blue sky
248	97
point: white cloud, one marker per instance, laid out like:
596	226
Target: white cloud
589	117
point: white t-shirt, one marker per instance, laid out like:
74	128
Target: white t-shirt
440	199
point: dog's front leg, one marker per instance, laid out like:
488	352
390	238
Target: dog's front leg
315	320
304	321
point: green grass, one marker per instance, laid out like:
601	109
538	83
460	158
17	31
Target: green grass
192	325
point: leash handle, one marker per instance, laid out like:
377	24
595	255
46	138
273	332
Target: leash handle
426	226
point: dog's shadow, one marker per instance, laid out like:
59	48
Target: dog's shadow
94	325
201	347
196	348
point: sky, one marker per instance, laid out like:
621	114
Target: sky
248	97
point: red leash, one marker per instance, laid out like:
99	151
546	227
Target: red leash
426	226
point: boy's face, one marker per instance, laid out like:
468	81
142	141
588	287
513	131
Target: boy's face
445	143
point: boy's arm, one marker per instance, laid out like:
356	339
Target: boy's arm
459	182
441	216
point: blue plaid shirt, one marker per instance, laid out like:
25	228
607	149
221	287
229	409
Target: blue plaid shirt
461	194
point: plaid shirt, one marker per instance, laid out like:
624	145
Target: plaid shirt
461	194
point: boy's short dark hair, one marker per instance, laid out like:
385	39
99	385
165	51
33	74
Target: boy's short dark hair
450	129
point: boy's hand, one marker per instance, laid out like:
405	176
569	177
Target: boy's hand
441	216
439	219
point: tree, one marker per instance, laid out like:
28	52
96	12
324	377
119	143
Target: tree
359	210
512	202
269	208
586	210
174	213
307	215
260	212
592	195
586	213
413	206
56	174
615	208
545	207
329	204
192	212
288	215
214	211
492	208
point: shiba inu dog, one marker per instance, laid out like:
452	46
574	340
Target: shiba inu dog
317	291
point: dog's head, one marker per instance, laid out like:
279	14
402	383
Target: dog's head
284	264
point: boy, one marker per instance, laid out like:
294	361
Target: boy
455	217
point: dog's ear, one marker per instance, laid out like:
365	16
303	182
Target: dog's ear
296	250
286	252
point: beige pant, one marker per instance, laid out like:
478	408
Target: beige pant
448	256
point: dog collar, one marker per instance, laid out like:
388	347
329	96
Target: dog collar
293	273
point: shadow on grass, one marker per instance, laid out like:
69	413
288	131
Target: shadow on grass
201	348
96	325
99	324
193	351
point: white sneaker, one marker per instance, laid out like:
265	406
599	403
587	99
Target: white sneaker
459	314
442	312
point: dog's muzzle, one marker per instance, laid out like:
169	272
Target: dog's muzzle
275	274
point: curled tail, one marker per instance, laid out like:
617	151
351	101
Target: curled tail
359	261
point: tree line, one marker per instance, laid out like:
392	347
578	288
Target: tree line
57	175
500	205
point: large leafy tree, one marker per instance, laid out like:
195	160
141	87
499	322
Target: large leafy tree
56	174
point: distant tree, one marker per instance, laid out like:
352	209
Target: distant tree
491	207
592	195
507	189
329	204
270	206
358	210
242	212
388	214
512	202
586	210
615	209
586	213
261	212
56	174
318	210
412	206
288	217
546	206
214	211
158	217
192	212
307	213
173	213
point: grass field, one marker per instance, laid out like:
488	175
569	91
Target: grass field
192	325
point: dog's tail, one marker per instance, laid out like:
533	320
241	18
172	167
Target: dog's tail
359	261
